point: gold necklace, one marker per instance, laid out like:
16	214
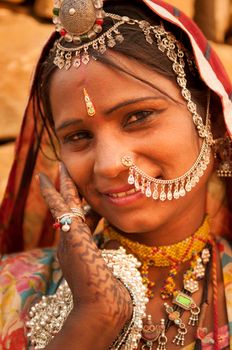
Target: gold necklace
163	256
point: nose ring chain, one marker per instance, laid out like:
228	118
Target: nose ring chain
161	189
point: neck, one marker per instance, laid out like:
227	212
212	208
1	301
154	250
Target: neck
176	229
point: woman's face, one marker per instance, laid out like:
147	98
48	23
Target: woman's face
149	123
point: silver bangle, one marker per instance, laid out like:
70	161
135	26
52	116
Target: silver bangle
48	316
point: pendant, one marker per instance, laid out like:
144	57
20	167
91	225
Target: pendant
162	340
180	337
173	315
183	300
193	320
150	333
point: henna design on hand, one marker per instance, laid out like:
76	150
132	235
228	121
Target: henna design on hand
83	267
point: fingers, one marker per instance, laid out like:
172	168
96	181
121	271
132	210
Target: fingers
68	189
70	195
60	203
81	262
53	198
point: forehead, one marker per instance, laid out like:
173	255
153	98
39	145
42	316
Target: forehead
108	84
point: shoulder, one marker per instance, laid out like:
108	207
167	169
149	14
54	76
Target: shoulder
24	277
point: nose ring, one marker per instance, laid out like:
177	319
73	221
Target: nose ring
168	189
127	161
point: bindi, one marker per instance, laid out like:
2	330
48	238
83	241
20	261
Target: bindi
89	104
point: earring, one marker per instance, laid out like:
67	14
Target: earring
223	155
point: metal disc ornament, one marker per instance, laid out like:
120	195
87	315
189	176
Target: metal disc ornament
77	16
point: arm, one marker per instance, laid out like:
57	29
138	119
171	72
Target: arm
101	305
86	330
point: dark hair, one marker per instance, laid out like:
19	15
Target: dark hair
135	47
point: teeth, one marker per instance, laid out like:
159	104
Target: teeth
123	194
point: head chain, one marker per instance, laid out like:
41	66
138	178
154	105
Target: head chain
65	57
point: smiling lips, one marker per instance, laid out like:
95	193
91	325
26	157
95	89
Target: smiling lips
123	194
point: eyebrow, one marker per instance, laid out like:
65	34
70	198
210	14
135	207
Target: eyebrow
67	123
130	102
73	122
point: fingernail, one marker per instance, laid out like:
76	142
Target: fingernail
63	168
37	177
44	180
60	167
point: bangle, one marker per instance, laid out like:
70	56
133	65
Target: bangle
47	317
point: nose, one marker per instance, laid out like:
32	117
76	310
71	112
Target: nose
108	158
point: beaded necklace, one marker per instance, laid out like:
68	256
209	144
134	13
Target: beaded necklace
195	249
166	256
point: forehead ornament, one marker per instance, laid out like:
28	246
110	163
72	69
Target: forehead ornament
78	20
89	104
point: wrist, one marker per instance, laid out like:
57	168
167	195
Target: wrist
57	321
84	328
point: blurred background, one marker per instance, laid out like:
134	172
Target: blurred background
26	24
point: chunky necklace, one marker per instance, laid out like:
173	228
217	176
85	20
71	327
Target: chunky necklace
170	255
182	302
195	249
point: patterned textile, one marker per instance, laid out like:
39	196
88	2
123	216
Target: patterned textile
25	277
23	206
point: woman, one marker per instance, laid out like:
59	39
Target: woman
135	112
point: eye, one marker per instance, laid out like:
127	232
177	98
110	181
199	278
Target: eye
77	137
138	117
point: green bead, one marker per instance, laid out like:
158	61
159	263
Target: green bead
84	37
56	11
183	300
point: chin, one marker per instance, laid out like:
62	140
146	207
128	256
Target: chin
135	223
148	218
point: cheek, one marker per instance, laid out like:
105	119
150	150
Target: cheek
78	168
172	141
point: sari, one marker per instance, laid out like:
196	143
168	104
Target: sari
29	267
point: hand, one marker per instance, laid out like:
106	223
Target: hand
92	284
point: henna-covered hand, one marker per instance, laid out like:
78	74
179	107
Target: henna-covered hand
83	267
